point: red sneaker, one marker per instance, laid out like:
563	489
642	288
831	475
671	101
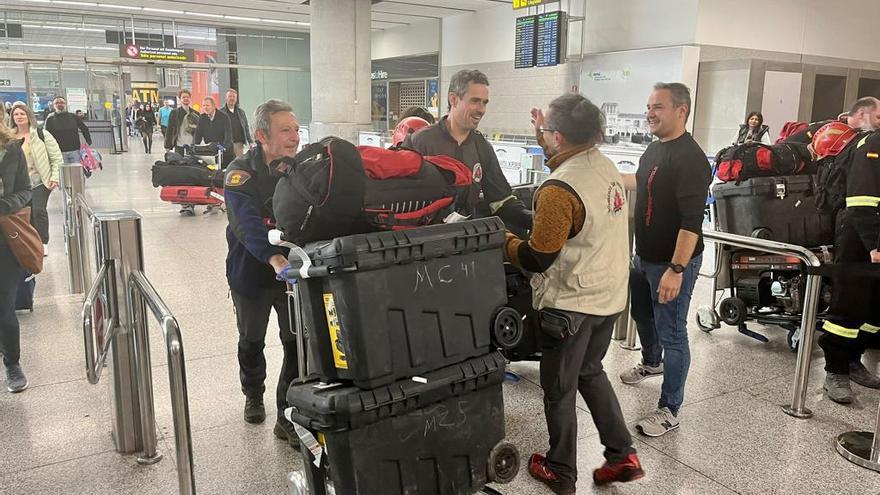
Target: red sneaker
539	470
629	469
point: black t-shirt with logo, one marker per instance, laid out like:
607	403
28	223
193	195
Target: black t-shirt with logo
672	184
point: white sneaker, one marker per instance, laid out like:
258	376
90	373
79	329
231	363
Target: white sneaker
659	423
45	250
639	372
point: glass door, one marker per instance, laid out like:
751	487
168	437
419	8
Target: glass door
13	83
107	99
44	83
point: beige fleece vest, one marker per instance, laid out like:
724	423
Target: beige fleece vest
591	274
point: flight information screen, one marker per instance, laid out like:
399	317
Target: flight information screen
525	42
551	40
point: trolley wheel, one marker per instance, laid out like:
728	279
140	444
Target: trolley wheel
503	464
702	326
507	328
732	311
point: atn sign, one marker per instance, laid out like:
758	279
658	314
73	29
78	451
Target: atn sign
145	92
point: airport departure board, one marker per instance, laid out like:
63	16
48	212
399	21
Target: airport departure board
525	42
551	38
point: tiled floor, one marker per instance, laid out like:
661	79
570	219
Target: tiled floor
55	437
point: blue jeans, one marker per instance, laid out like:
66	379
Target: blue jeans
663	327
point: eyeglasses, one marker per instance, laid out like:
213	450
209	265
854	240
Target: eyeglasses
546	129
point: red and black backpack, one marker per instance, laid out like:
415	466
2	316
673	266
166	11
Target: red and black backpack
405	189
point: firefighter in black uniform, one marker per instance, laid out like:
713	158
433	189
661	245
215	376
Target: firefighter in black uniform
252	262
854	316
456	135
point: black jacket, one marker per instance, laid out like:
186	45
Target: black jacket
248	190
744	133
15	184
479	156
216	130
65	128
242	119
174	123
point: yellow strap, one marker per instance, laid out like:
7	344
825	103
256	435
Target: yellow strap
862	201
867	327
849	333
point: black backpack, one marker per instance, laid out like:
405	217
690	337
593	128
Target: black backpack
745	161
831	178
322	194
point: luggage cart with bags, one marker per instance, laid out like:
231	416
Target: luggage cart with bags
207	191
409	427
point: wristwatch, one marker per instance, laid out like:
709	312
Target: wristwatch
676	267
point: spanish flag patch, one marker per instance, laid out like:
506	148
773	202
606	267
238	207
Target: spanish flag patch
236	178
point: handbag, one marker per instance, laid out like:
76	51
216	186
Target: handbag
23	239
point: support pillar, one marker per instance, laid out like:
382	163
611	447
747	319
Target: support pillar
340	66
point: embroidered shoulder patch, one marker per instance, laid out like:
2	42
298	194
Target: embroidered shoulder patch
237	178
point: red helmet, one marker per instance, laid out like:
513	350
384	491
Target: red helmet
406	127
832	138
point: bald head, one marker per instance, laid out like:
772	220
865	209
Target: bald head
865	114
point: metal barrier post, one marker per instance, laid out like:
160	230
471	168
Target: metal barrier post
797	408
862	447
140	296
118	244
73	185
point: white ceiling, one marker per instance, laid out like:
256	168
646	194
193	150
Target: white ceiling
386	14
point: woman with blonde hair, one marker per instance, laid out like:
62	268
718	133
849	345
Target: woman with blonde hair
44	161
15	194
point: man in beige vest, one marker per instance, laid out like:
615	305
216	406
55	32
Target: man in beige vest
579	254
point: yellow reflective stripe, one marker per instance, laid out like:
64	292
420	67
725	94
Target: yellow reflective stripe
863	201
849	333
873	156
867	327
863	141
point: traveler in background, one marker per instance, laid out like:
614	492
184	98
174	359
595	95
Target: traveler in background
852	324
164	114
865	114
456	135
80	115
15	194
65	128
671	185
753	130
419	112
214	127
44	162
241	133
182	124
145	121
252	263
578	252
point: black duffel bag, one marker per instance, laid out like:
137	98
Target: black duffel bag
169	174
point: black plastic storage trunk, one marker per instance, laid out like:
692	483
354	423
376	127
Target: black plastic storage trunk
776	208
408	438
399	304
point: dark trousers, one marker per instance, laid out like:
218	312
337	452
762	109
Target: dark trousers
147	138
575	365
39	214
11	274
854	316
252	316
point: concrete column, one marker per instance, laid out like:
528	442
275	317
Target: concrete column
340	65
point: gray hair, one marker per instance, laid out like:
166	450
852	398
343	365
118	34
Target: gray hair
263	115
868	102
681	95
460	81
576	118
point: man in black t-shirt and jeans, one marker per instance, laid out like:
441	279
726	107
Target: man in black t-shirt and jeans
671	185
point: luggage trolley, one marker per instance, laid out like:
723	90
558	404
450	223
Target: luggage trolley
753	286
354	423
211	196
